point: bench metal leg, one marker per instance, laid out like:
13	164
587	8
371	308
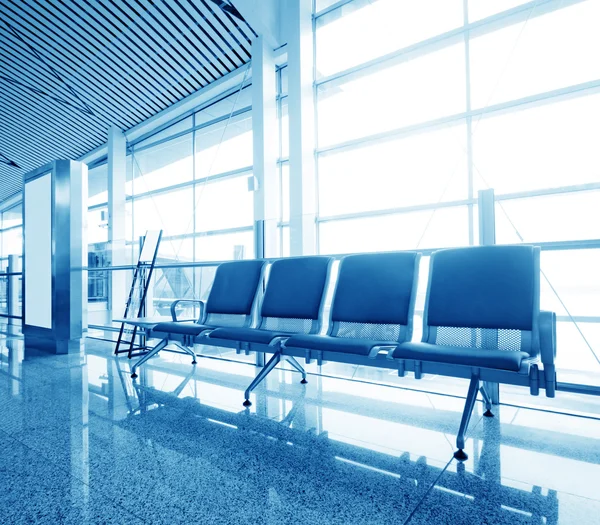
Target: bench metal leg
297	366
488	402
466	417
150	354
187	350
272	363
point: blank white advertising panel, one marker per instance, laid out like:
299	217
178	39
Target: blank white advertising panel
38	252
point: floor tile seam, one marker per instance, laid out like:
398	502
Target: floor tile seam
433	484
40	454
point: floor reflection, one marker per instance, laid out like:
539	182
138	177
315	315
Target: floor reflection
176	446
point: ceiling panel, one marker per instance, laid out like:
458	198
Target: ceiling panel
71	68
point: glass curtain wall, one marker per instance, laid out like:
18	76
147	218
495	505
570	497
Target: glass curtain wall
419	112
189	180
283	161
11	243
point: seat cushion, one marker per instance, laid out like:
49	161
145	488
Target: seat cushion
247	335
343	345
499	359
181	328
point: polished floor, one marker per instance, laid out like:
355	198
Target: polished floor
81	443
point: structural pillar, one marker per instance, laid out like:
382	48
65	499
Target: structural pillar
298	20
265	131
487	237
55	252
117	172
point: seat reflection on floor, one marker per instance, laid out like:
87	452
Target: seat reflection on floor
81	442
290	449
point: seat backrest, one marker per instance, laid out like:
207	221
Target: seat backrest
375	296
484	297
234	293
295	294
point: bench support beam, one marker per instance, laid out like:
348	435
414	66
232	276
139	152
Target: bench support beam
271	364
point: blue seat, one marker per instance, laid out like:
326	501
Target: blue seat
231	302
292	304
372	306
482	320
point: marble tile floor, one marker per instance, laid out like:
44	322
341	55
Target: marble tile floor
80	442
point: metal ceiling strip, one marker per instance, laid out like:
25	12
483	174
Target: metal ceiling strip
162	94
16	153
37	107
202	35
166	23
188	32
41	145
178	65
208	17
41	32
234	23
225	21
130	38
98	42
82	36
31	77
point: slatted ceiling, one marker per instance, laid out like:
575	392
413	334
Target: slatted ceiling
71	68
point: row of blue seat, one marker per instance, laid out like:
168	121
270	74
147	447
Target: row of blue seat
481	321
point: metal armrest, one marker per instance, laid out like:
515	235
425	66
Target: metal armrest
547	324
193	301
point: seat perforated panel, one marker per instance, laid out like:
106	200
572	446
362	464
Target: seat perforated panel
227	320
485	338
385	332
298	326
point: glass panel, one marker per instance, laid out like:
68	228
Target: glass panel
285	241
541	147
479	9
179	127
323	4
224	204
285	192
565	217
367	30
170	211
404	231
98	185
282	86
401	172
12	242
175	250
162	166
223	108
574	276
284	127
97	226
528	58
171	284
12	216
405	94
225	146
224	247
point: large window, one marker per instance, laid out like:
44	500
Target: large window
189	180
422	104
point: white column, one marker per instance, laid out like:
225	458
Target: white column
298	22
264	130
117	168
